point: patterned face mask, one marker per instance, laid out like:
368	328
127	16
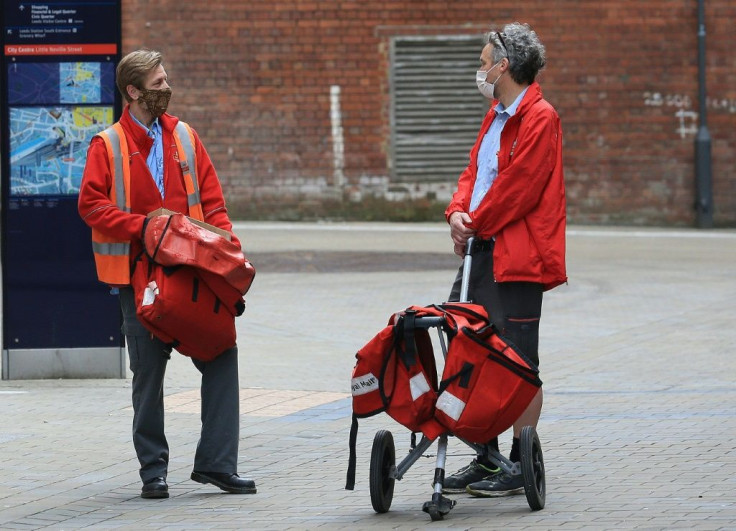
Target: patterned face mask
155	101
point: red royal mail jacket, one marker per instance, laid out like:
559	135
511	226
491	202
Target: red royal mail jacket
99	212
525	208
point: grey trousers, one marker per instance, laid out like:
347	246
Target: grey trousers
217	450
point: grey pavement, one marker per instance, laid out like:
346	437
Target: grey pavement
638	427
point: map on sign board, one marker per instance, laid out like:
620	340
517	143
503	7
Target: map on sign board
48	147
54	83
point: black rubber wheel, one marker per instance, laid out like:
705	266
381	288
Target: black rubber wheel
435	514
532	468
383	459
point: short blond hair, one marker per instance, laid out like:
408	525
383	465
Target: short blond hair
133	69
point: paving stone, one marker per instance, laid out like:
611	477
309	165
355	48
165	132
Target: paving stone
637	428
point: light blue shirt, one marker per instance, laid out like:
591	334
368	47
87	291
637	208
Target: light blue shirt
155	160
488	153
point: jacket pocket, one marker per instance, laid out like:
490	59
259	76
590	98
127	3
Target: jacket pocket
515	256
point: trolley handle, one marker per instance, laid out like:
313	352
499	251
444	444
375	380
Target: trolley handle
428	321
467	260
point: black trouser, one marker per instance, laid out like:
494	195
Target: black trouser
217	450
514	307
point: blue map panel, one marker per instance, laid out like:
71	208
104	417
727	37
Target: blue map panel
54	83
48	147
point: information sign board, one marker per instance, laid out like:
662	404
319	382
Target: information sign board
58	91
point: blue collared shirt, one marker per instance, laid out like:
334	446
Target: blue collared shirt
488	153
155	160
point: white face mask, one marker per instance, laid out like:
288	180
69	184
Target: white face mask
484	86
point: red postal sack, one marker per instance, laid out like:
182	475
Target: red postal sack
172	240
177	306
395	372
486	385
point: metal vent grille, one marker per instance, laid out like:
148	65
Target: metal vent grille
436	109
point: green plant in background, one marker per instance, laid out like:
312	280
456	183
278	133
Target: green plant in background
368	209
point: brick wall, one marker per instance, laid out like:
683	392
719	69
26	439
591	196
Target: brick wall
254	79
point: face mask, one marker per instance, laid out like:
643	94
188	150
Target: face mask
156	101
484	86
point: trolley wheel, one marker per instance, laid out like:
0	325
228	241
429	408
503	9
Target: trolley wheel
383	460
532	468
435	514
438	507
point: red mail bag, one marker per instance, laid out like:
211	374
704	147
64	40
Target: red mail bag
486	385
395	371
172	240
181	309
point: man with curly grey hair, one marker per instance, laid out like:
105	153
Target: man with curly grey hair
511	199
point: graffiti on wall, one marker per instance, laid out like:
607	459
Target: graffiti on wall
686	119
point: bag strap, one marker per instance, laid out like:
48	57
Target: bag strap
408	354
161	239
463	374
350	480
387	357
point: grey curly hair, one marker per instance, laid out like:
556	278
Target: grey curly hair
520	44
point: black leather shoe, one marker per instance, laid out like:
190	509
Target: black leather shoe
155	488
227	482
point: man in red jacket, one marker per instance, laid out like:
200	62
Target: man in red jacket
156	179
511	199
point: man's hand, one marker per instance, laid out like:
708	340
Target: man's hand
459	231
143	230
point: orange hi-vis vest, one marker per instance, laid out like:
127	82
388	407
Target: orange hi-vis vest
111	255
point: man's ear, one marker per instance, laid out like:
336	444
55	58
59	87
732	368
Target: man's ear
132	92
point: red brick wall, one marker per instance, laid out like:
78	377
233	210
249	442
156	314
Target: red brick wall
254	79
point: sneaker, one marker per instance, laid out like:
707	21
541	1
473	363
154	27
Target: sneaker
501	484
471	473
